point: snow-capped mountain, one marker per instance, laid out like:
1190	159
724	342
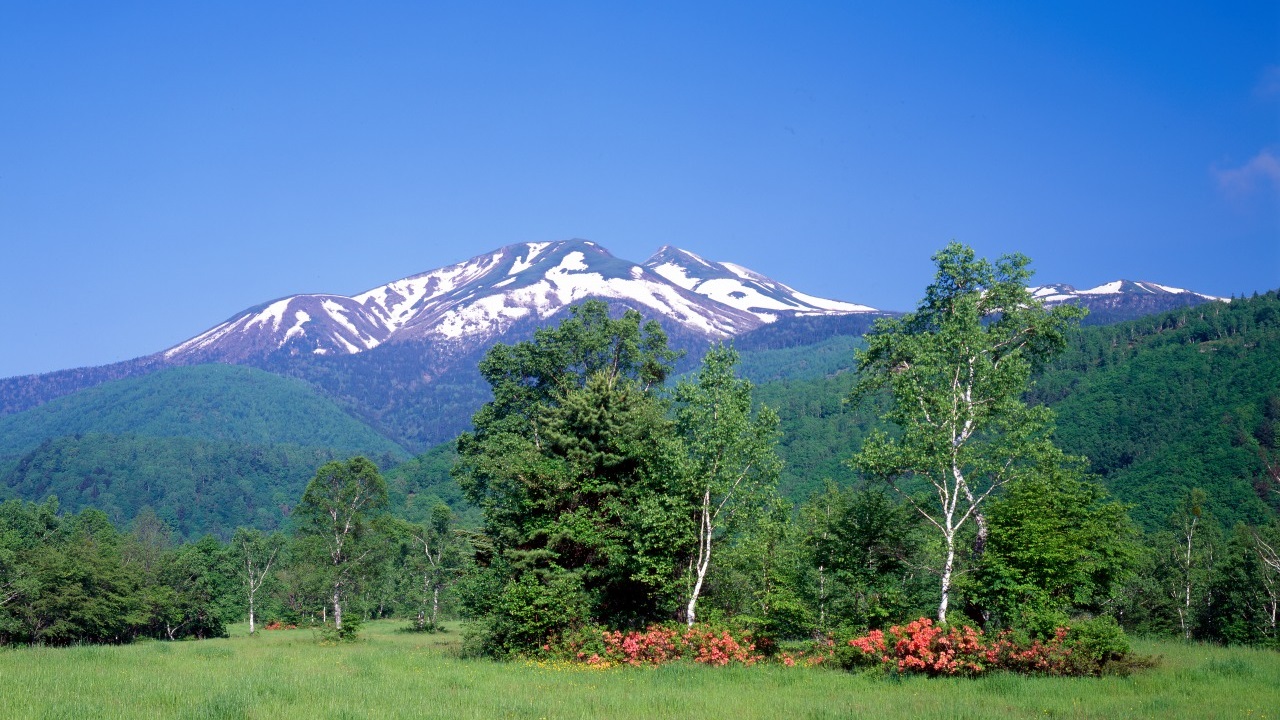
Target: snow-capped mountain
1057	294
474	301
1121	300
740	288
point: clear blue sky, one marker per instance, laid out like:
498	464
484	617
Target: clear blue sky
165	165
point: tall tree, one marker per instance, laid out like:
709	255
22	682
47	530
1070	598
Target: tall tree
434	555
956	369
1190	555
1266	546
732	460
336	514
574	464
865	547
255	553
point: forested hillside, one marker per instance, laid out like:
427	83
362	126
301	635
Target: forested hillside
221	403
1189	399
1186	399
195	486
209	447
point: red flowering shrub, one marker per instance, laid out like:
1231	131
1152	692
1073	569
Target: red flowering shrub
719	647
925	648
659	644
922	647
1050	657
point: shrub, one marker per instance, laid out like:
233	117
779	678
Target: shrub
922	647
656	645
1102	643
529	614
349	632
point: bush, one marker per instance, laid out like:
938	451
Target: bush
1089	648
918	647
349	632
529	614
656	645
422	625
1101	643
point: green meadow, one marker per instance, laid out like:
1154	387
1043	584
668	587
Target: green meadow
392	674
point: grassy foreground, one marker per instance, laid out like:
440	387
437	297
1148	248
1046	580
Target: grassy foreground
389	674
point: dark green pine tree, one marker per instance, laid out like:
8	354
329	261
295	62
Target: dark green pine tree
575	466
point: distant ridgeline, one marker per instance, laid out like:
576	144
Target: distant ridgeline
1158	404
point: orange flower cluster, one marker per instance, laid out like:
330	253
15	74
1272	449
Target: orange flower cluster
922	647
1051	657
659	644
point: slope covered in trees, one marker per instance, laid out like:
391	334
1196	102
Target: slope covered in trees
222	403
195	486
1158	406
1189	399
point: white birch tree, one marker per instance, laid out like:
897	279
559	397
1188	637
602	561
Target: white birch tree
256	552
336	513
732	462
1268	552
956	370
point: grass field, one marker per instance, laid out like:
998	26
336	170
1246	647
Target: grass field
389	674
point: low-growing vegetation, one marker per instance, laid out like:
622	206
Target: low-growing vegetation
391	674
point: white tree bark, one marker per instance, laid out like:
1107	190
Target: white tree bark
254	578
705	531
1184	612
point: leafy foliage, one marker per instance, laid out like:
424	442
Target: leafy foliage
334	520
956	369
74	578
572	465
196	486
1058	548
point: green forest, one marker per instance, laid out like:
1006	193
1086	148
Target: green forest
980	484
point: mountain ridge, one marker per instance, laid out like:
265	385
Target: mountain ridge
415	331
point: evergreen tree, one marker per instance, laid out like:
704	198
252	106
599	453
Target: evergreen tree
576	468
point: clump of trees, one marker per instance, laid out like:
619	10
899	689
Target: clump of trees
75	578
605	498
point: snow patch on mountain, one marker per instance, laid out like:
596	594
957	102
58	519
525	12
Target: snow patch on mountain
1060	293
1105	289
742	288
676	274
481	298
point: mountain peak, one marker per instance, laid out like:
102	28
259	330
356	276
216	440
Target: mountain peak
742	288
1059	293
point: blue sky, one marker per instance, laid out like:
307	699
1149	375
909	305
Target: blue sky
166	165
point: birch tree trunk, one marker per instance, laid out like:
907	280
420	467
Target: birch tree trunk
957	369
704	558
948	567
